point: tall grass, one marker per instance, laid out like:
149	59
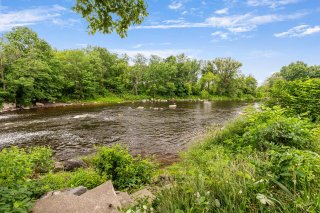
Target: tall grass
233	171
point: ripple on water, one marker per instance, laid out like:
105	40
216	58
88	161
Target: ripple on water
16	137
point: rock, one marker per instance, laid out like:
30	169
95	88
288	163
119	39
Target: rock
142	194
50	194
104	193
155	108
8	106
140	107
68	203
124	199
58	166
101	199
78	191
39	104
173	106
73	164
25	107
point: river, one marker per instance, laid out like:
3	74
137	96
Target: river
75	130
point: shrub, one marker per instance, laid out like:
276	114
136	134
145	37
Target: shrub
16	169
41	159
85	177
279	130
124	170
299	97
82	177
261	162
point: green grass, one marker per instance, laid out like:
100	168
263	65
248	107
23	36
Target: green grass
229	170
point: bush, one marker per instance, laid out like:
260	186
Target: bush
124	170
88	178
299	97
261	162
272	127
17	166
263	129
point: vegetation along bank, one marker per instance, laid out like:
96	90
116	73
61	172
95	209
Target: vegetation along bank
31	72
267	160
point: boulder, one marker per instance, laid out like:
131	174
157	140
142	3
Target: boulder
78	191
140	107
142	194
73	164
104	193
101	199
8	106
58	166
39	104
124	199
173	106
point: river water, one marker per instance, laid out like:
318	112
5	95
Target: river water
75	130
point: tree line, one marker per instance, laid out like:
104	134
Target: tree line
32	71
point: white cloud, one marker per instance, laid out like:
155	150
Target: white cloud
65	22
299	31
26	17
137	46
175	5
270	3
223	11
264	54
235	24
159	52
221	35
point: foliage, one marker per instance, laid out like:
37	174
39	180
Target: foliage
107	16
124	170
300	97
17	166
264	161
31	71
82	177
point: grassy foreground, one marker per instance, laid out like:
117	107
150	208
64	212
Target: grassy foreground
264	161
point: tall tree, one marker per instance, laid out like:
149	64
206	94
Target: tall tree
106	16
227	69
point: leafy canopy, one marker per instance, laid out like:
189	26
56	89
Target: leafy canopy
111	15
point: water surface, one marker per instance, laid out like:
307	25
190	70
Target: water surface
73	131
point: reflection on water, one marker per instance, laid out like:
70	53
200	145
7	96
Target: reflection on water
72	131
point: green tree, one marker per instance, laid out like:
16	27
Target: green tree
112	15
294	71
228	70
209	82
29	72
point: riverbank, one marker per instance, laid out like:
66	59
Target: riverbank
114	99
264	161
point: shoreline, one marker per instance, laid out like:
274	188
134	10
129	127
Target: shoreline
11	107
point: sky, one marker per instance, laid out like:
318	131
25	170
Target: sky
262	34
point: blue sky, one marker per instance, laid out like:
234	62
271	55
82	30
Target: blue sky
263	34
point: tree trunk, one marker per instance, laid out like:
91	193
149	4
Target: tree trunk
2	75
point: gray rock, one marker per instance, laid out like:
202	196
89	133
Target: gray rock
173	106
101	199
58	166
39	104
142	194
78	191
73	164
124	199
